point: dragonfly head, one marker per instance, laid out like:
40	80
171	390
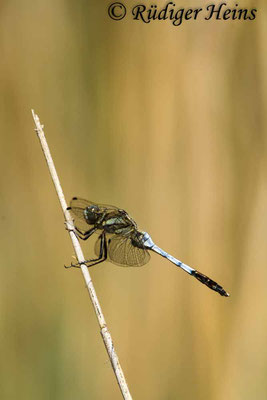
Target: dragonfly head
91	214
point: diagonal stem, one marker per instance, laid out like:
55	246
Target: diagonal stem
80	257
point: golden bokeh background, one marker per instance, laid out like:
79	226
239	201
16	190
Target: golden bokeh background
168	123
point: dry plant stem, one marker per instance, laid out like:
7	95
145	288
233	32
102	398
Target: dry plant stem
79	254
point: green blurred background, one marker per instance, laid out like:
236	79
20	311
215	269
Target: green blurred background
168	123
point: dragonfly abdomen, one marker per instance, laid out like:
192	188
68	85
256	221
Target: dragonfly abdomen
210	283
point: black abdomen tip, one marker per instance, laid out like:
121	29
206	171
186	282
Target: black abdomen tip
210	283
75	198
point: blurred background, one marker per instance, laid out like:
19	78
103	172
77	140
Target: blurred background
168	123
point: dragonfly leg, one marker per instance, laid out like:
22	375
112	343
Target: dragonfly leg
85	235
82	235
102	255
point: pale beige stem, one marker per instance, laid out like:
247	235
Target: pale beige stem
80	257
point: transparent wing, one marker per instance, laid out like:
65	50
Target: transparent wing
77	206
77	202
121	252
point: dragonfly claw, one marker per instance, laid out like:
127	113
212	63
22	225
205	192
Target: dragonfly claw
72	265
72	229
78	265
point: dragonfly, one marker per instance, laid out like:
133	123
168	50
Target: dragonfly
119	240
